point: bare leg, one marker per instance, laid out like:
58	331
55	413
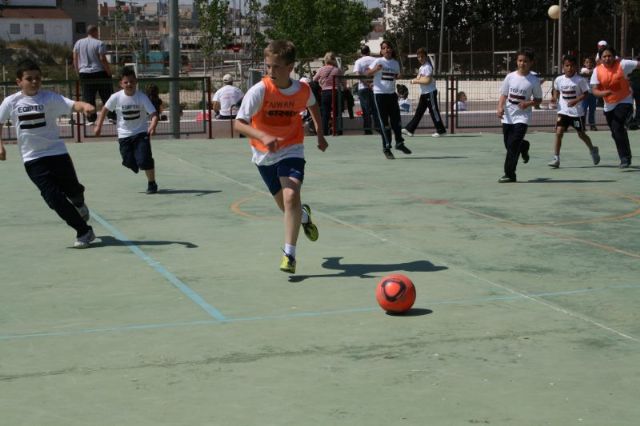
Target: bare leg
151	175
289	202
586	139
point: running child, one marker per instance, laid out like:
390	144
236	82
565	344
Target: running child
385	70
569	90
270	116
520	91
34	113
132	108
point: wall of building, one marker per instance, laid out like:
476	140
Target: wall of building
53	30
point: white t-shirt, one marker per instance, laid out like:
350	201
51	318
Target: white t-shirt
251	104
384	81
228	96
34	118
627	68
518	88
426	70
132	112
570	88
360	67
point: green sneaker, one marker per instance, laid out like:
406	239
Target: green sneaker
288	264
310	230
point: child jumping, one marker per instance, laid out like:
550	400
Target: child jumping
132	108
270	116
569	90
514	108
34	113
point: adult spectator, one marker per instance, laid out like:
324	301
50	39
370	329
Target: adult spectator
91	64
226	99
365	93
327	76
610	81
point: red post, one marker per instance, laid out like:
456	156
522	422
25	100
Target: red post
78	138
333	107
208	84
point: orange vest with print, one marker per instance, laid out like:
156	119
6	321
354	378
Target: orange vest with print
613	79
280	115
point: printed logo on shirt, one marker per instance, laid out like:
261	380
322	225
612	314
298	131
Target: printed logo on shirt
569	94
516	99
388	76
31	116
130	112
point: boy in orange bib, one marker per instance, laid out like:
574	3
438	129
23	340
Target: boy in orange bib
270	116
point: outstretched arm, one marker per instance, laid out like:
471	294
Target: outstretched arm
270	141
103	114
314	110
152	126
3	152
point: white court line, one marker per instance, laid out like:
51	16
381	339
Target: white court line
404	246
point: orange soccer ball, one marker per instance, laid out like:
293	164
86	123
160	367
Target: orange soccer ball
395	293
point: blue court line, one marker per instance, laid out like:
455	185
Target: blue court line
124	328
185	289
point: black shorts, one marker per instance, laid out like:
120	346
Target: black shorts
566	121
136	152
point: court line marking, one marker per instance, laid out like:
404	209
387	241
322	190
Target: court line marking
310	314
157	266
506	288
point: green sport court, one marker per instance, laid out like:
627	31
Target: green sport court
527	293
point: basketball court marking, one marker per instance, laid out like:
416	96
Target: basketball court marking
403	246
175	281
311	314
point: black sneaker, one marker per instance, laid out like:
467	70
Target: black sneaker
152	188
525	151
389	154
402	147
593	128
506	179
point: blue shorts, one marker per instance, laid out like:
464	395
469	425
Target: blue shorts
288	167
136	152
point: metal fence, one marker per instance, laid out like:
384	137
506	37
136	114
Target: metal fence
194	104
482	92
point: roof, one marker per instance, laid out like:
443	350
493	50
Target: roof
34	13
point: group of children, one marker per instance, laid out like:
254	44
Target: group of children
270	116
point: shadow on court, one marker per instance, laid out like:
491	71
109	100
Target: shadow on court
551	180
447	157
413	312
197	192
109	241
363	270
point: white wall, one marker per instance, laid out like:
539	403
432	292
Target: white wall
57	31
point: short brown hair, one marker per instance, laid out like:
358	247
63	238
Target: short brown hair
283	49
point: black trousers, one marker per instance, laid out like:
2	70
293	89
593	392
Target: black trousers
427	101
617	120
91	87
513	135
56	179
388	117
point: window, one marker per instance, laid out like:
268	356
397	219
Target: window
81	27
14	29
38	28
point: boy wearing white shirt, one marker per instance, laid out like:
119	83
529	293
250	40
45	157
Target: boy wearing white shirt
34	113
569	90
132	108
519	92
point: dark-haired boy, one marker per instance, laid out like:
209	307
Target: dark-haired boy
34	113
570	89
132	108
519	92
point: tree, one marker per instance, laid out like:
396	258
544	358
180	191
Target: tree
319	26
258	40
214	31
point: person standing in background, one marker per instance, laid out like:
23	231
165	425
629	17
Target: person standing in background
365	93
91	64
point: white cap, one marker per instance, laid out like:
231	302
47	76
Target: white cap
602	43
227	78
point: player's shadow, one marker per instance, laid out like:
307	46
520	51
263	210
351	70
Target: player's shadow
364	270
196	192
442	157
109	241
551	180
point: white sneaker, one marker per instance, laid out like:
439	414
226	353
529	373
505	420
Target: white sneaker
90	123
406	132
555	163
435	135
112	121
84	212
83	241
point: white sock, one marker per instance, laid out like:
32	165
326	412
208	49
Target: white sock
290	250
305	216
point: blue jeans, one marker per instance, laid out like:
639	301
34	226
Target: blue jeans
589	107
